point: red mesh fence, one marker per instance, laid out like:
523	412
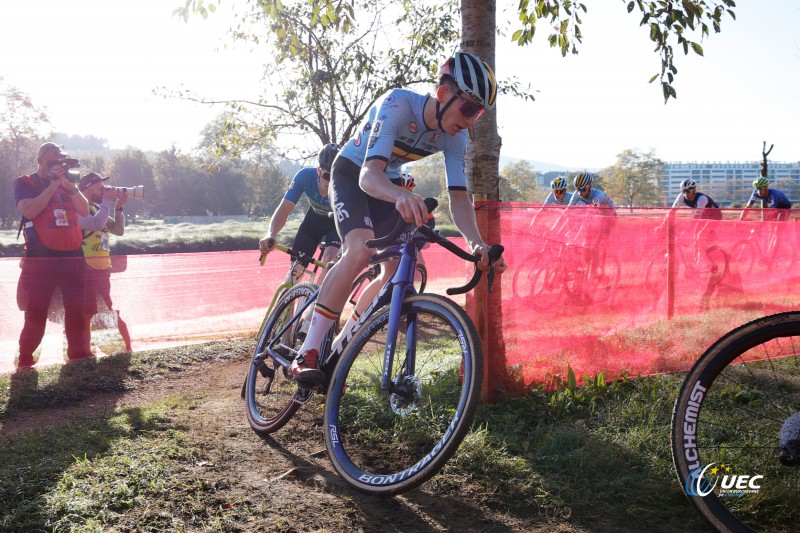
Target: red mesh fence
640	292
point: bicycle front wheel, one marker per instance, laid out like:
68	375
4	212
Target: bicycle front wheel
738	404
388	442
272	397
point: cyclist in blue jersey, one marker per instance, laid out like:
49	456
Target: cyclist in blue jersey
769	198
558	192
317	226
401	127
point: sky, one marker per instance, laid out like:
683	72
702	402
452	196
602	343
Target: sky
94	65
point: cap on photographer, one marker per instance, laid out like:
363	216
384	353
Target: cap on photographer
50	203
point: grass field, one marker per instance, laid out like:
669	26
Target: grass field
590	459
153	237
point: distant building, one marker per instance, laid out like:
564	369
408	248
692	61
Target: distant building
731	182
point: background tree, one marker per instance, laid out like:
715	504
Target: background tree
129	168
635	179
429	175
23	127
329	65
667	21
519	183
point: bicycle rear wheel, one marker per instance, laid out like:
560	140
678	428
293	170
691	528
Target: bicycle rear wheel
727	423
420	278
390	442
272	397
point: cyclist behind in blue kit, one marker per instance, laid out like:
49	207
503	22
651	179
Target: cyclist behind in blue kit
317	225
402	126
769	198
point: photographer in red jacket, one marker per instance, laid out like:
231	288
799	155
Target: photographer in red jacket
50	203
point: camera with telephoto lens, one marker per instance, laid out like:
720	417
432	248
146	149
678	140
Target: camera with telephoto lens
132	192
69	163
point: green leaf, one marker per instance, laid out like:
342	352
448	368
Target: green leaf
697	49
631	5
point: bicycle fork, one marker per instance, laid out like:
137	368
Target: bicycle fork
401	286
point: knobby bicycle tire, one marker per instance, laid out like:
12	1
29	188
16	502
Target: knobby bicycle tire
386	443
271	395
729	415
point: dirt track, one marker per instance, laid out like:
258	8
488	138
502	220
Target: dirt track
288	480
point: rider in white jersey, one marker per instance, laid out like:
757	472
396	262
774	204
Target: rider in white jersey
585	194
400	127
558	192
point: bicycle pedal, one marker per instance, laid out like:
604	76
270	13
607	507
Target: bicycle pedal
303	395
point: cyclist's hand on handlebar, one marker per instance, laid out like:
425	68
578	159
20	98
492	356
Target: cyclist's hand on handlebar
483	265
266	245
412	208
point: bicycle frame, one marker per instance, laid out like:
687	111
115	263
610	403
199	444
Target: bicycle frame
392	294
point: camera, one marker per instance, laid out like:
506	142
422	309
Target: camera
133	192
69	163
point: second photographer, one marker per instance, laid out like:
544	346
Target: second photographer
106	217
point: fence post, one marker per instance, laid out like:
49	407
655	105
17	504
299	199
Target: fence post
486	310
671	264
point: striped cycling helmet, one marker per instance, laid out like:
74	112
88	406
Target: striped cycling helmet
760	183
583	179
559	184
473	76
688	184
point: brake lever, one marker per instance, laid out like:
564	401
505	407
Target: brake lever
495	252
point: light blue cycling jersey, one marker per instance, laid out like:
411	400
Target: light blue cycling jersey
552	200
596	197
394	131
305	181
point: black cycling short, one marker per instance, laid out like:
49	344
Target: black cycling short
313	230
355	209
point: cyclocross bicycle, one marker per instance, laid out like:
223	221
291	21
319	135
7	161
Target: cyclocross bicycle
736	428
401	387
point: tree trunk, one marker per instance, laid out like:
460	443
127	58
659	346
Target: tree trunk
483	173
478	27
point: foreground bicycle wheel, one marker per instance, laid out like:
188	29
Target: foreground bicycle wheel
727	428
272	397
387	443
